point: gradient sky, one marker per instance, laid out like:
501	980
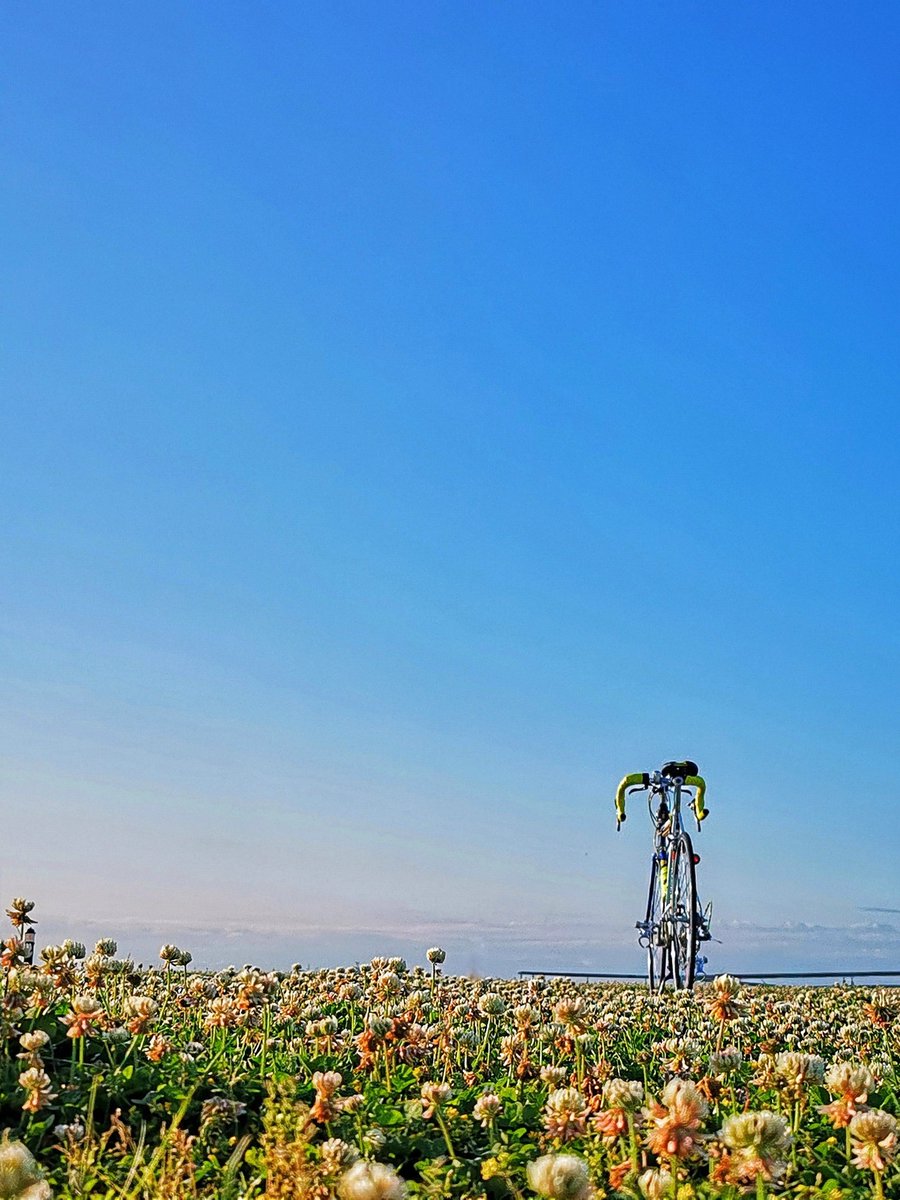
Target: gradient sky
414	417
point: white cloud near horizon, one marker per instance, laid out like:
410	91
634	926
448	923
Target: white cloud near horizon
487	947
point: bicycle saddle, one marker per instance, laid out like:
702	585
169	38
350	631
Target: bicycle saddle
673	770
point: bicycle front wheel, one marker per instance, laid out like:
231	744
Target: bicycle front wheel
659	957
685	930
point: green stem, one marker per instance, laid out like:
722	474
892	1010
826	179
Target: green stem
446	1132
387	1069
267	1017
632	1141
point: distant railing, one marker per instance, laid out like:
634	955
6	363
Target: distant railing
745	977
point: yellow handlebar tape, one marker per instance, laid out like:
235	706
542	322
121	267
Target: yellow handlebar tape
696	781
638	779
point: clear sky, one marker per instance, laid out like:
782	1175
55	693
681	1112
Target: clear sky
414	417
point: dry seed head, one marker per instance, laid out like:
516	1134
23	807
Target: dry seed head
327	1083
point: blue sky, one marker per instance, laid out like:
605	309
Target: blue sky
414	418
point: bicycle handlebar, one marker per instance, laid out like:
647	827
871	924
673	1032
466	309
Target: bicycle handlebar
641	780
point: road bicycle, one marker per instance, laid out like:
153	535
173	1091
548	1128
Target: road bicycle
675	923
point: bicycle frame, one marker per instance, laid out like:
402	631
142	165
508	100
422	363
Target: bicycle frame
668	927
667	829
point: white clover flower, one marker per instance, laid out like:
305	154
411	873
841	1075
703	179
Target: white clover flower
32	1042
492	1004
655	1183
565	1113
725	1062
682	1094
849	1079
434	1096
559	1177
873	1135
627	1094
74	1131
379	1026
487	1107
374	1139
569	1012
759	1143
20	1176
371	1181
336	1154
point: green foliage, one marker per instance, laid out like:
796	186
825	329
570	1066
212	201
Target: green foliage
176	1083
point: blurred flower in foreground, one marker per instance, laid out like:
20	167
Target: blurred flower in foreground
371	1181
757	1143
676	1121
20	1177
559	1177
873	1135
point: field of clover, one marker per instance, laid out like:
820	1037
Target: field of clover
387	1081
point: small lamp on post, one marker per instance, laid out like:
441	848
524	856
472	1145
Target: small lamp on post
28	945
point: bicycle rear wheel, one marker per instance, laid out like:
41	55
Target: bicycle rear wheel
686	933
659	957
